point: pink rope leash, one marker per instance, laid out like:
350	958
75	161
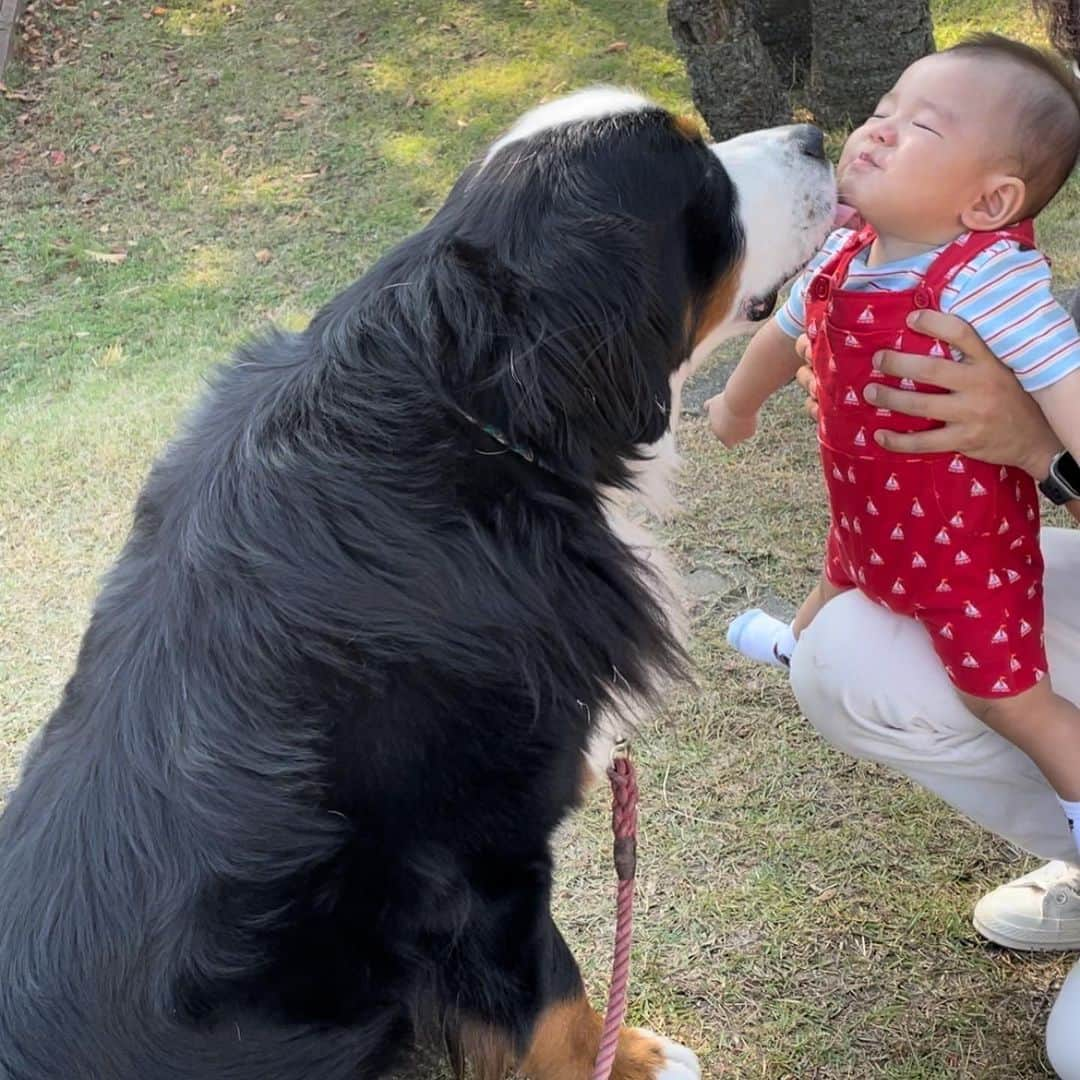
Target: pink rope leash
624	824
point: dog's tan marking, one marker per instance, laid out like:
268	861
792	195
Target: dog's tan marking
718	305
688	128
567	1037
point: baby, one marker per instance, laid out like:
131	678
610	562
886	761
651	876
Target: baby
948	173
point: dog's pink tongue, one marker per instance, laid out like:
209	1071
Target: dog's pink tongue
846	217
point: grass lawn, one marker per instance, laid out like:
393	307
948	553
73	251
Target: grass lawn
188	175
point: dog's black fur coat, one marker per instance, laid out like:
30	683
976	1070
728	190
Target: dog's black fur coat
296	801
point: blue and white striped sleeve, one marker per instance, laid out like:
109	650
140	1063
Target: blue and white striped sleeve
1009	303
791	318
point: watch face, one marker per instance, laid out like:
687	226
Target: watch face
1069	471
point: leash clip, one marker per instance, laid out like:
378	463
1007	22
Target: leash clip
620	751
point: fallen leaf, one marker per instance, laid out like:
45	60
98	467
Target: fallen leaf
113	257
159	10
234	118
616	46
361	37
280	16
410	101
263	256
57	157
17	95
309	100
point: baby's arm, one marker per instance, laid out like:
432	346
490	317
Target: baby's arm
1060	403
1010	304
770	362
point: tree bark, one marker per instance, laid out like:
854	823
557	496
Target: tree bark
784	27
747	59
735	83
860	47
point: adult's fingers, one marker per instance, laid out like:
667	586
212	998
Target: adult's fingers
954	331
933	370
934	441
911	402
804	376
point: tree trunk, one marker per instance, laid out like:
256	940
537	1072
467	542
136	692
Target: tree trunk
860	47
784	27
735	83
746	57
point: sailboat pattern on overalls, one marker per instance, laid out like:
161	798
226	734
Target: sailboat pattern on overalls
942	538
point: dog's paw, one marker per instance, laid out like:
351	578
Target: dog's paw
680	1062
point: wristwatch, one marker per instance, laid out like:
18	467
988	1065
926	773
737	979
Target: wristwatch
1063	483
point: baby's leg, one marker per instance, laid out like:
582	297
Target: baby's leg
759	636
1047	728
820	595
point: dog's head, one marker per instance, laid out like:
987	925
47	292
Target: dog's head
604	242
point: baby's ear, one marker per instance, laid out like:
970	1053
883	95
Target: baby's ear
1000	204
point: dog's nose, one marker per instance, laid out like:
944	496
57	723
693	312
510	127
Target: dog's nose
810	140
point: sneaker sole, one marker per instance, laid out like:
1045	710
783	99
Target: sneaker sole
1024	944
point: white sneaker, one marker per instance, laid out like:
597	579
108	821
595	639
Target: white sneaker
1037	912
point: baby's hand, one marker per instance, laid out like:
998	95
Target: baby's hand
725	425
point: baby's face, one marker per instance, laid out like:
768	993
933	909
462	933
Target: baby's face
922	159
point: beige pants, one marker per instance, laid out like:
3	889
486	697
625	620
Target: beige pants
871	684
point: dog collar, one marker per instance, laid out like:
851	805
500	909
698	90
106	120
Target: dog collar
526	453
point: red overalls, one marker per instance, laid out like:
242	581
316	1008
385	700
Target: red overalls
945	539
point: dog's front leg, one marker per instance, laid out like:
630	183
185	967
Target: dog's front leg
563	1037
567	1037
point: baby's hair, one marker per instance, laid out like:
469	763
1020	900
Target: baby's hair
1047	119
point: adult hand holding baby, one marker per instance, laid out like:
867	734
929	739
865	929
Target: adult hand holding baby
986	414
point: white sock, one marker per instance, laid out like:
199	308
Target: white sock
1072	815
759	636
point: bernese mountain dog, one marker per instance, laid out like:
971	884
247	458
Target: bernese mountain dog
378	619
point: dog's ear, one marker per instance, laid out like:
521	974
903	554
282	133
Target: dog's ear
585	253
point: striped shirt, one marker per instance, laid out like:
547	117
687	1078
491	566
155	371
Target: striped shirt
1004	292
